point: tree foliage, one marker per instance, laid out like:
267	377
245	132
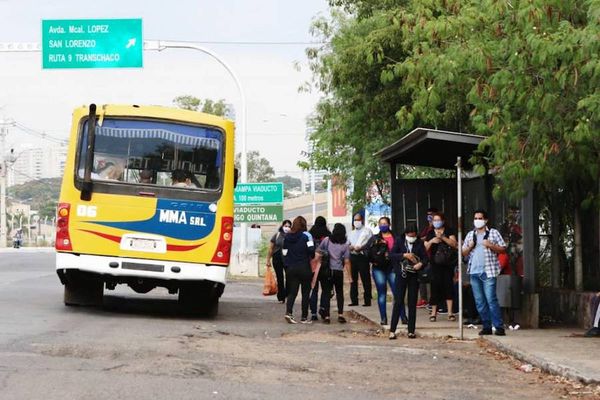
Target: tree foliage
524	73
259	168
41	195
188	102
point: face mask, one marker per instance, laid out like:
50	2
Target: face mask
429	218
384	228
479	223
286	229
358	224
411	239
438	224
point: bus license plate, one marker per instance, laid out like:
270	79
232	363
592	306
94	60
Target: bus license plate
143	244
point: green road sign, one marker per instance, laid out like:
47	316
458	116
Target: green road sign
258	213
92	43
258	193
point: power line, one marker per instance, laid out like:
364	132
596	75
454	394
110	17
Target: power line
39	134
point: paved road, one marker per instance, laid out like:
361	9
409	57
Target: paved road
306	211
140	347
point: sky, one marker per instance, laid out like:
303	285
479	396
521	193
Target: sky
43	99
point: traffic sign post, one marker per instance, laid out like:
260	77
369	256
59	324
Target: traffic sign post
92	43
258	202
257	213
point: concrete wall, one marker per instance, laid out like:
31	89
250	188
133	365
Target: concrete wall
566	306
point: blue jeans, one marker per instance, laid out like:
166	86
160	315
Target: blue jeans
382	278
484	291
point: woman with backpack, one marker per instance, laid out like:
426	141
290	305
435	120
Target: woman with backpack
383	273
319	232
275	246
408	257
442	247
298	250
335	258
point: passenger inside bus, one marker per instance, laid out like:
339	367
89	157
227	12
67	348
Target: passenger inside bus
146	176
179	179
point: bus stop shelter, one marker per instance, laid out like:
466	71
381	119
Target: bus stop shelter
457	196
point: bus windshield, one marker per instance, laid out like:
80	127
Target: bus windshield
157	153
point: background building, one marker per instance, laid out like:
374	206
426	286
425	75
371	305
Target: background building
37	163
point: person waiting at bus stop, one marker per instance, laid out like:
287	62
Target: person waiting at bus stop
408	257
319	232
275	247
298	250
483	245
359	240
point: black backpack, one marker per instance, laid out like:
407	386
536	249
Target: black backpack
325	269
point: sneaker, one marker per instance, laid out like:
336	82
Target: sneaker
500	332
290	319
341	319
442	311
593	332
326	320
352	304
404	321
422	304
411	335
367	305
485	331
429	307
392	336
322	313
314	317
305	321
383	322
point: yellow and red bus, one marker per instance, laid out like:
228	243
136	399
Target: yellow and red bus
147	201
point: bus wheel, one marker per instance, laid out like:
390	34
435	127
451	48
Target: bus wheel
80	291
194	300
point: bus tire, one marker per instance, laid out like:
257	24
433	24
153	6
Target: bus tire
196	301
83	292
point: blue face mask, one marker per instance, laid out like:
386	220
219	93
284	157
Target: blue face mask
438	224
429	218
384	228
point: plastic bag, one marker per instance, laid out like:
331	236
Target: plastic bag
270	286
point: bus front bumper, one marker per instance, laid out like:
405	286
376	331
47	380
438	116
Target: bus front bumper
135	267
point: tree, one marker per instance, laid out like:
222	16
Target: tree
357	116
522	73
259	168
208	106
289	182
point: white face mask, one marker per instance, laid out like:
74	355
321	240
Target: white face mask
411	239
358	224
479	223
286	229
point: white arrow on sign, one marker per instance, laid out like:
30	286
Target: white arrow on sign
131	43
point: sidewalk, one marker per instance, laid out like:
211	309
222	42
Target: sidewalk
563	351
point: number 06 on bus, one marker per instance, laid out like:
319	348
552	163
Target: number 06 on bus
146	200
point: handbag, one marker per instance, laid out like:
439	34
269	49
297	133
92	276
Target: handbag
445	255
325	269
424	274
270	285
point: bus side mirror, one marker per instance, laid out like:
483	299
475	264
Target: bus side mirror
236	174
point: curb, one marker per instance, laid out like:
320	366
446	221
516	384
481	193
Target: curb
544	365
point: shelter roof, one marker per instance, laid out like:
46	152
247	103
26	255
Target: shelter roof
431	148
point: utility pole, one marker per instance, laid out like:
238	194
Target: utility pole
4	124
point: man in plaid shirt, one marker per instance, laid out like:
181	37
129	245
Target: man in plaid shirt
483	245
